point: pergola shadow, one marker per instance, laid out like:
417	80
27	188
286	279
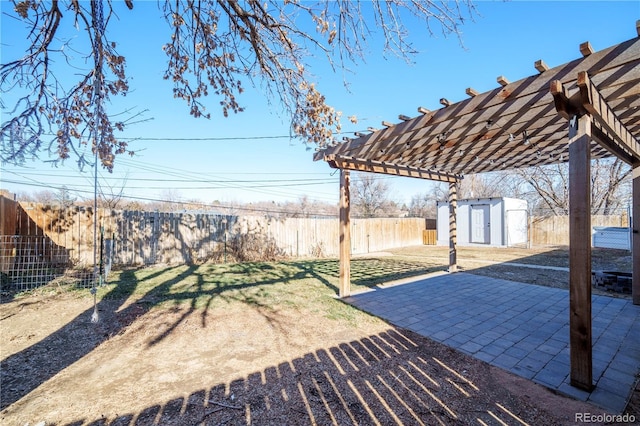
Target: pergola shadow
522	328
393	377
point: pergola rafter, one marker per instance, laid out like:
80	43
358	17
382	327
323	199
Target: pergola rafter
491	124
585	109
371	166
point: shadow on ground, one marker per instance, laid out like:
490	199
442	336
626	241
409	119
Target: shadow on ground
332	388
388	378
195	286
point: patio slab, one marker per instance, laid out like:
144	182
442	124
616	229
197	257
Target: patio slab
522	328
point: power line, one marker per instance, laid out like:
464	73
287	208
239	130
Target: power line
211	139
221	180
216	184
288	185
185	203
212	180
107	178
264	186
82	192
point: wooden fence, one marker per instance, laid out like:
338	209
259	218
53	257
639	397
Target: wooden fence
136	237
554	230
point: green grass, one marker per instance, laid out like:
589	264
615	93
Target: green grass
310	284
304	285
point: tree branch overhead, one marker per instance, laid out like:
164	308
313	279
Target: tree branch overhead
214	49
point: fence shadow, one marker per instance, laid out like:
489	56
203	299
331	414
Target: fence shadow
387	378
542	266
550	268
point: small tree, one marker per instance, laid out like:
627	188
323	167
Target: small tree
171	200
423	205
64	198
371	197
112	195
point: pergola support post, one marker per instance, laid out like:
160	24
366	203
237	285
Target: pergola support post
453	207
635	235
344	285
580	252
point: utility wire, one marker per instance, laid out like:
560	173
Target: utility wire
212	180
252	188
186	203
221	180
107	178
289	185
213	139
217	182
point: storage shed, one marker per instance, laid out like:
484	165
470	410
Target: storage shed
500	222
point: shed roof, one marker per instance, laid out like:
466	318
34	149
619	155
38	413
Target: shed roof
518	124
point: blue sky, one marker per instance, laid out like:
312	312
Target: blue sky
254	160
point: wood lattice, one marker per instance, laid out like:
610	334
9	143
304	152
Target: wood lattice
515	125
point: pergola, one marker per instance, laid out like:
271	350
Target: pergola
587	108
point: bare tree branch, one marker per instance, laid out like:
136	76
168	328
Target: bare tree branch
215	46
551	185
47	107
371	196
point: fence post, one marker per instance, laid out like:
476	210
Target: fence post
224	224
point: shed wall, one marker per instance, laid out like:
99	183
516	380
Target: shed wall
507	221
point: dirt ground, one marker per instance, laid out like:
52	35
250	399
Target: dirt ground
239	363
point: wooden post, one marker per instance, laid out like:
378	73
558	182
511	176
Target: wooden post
580	252
453	207
344	289
635	235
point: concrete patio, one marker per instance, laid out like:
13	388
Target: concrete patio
521	328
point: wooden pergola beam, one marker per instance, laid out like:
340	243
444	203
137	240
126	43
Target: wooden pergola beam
349	163
453	227
635	234
565	106
586	49
540	66
614	65
593	102
502	81
580	330
471	92
606	141
344	277
606	128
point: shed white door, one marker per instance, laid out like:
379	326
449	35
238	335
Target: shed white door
480	224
